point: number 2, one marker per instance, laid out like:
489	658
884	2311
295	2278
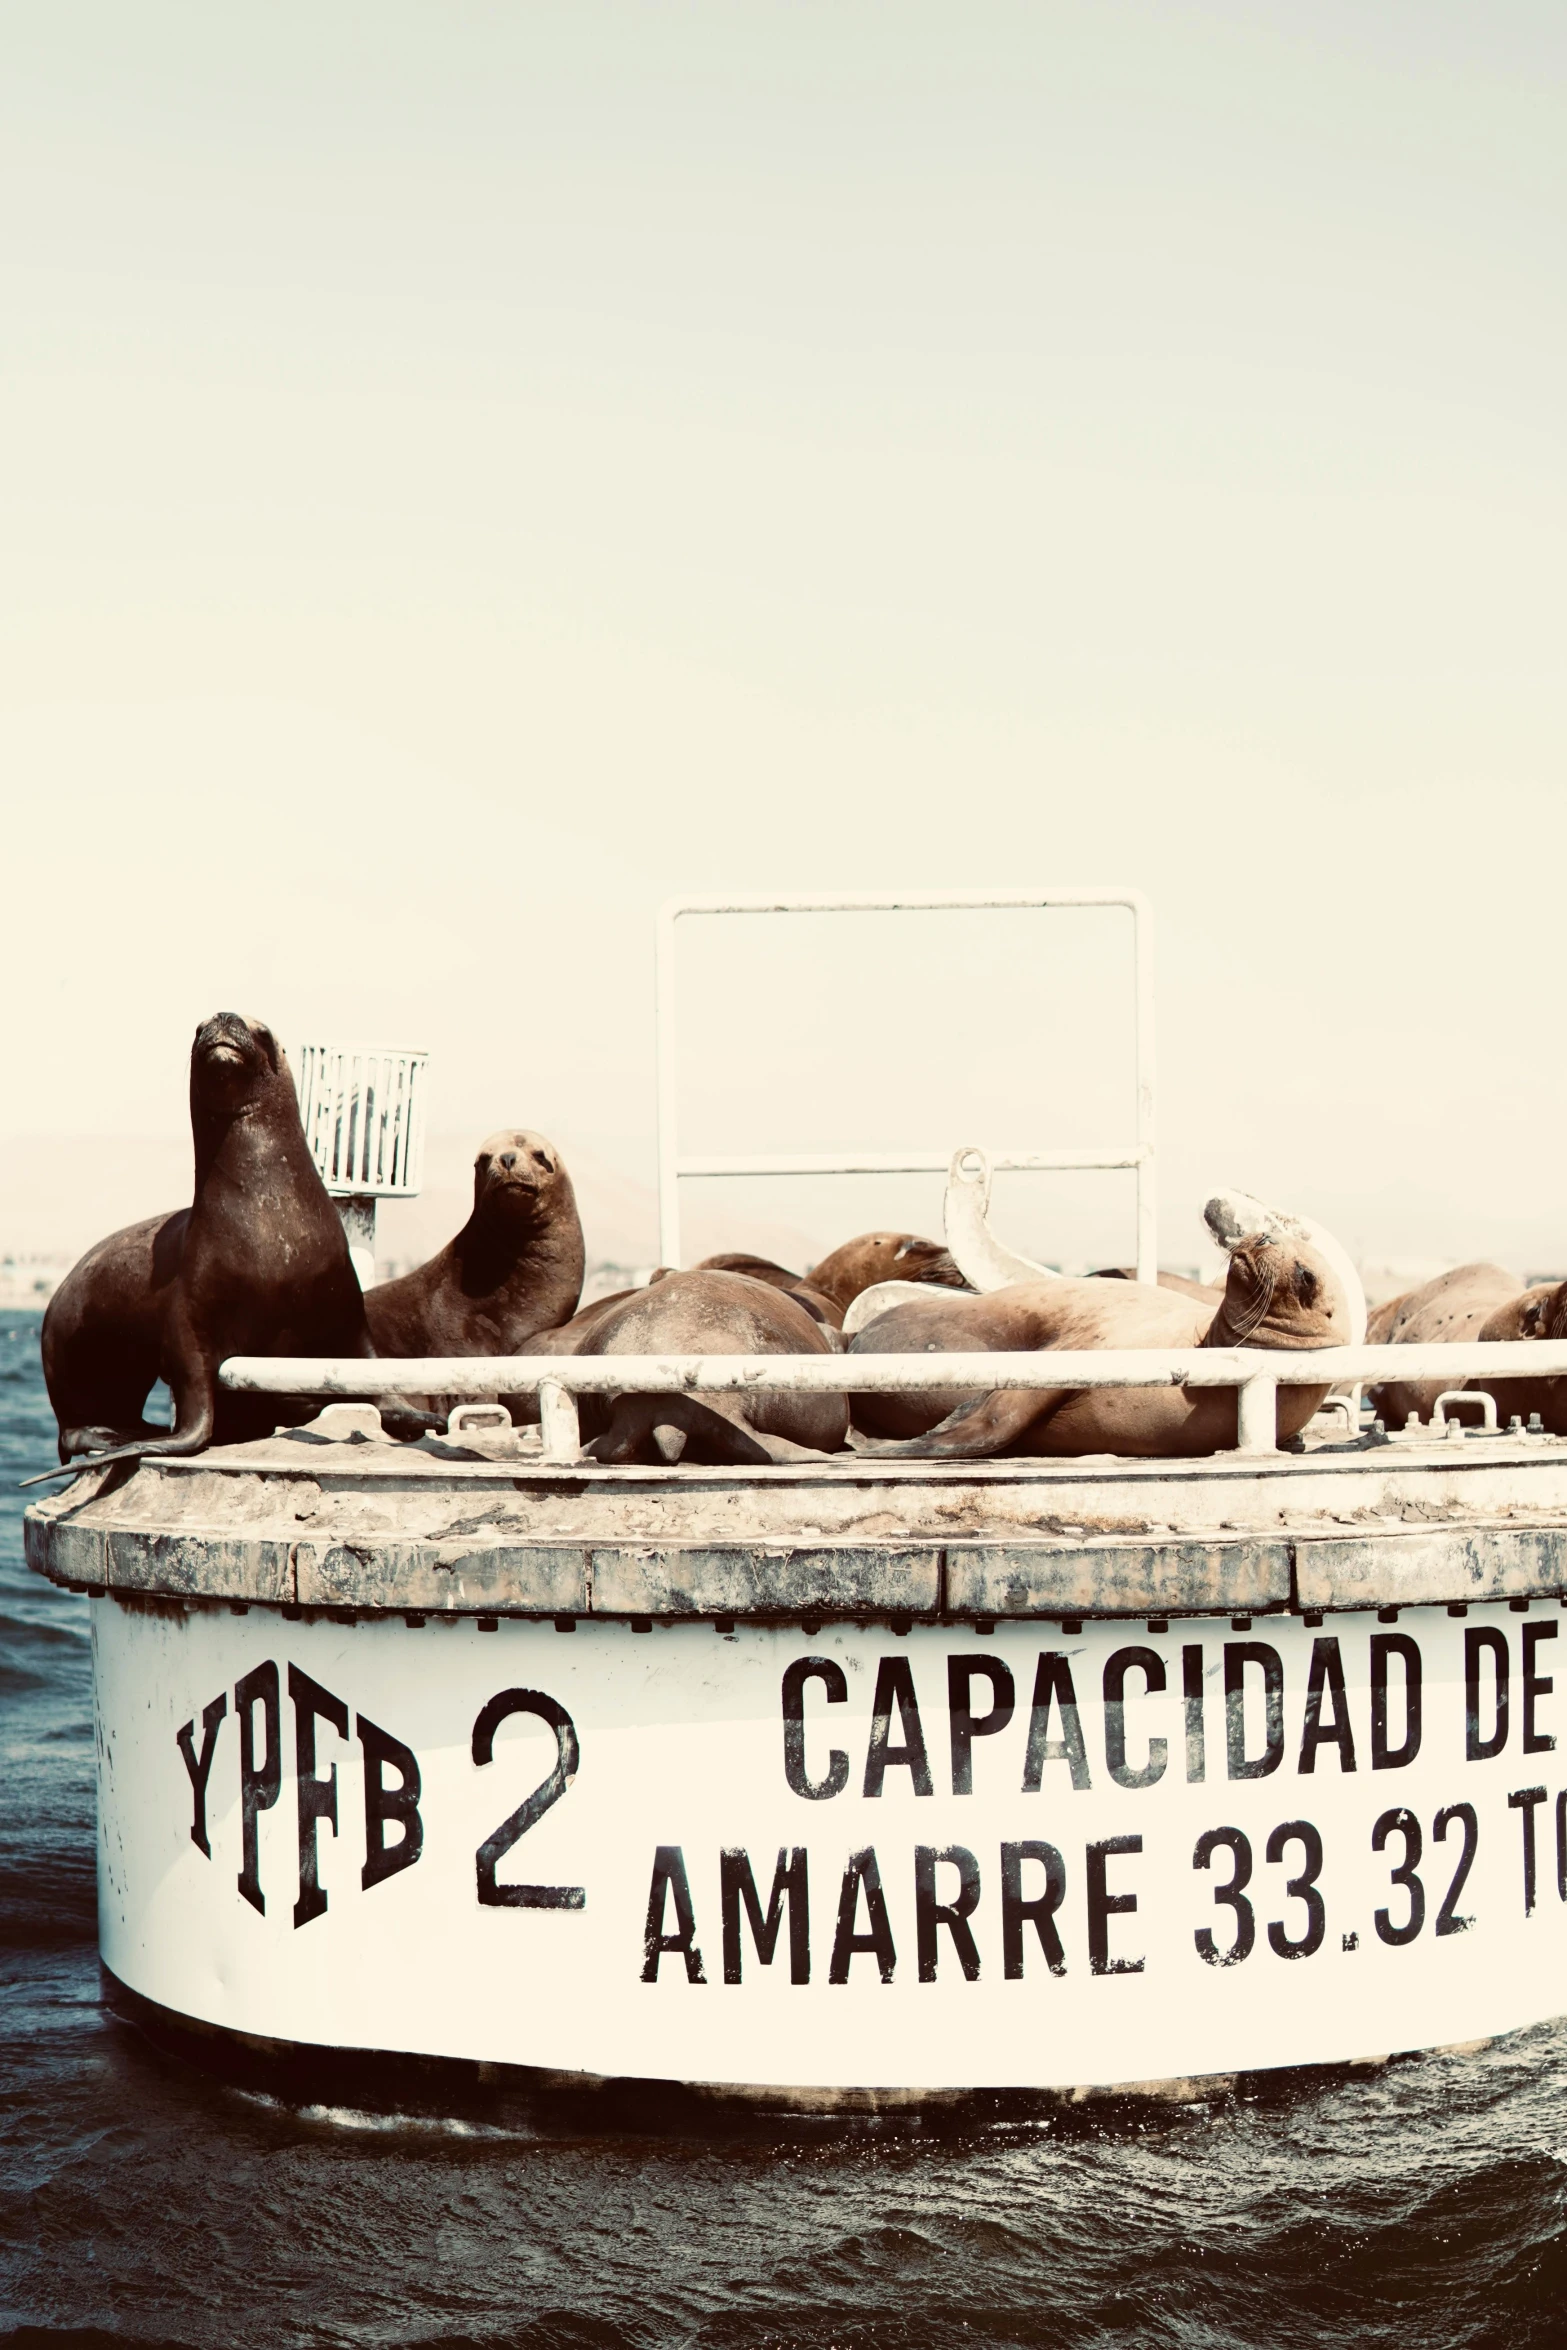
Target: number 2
532	1807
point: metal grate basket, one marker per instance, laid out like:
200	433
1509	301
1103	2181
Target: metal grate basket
362	1108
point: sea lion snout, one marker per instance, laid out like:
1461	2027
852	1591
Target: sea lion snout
231	1060
514	1167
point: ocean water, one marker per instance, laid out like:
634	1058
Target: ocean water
143	2203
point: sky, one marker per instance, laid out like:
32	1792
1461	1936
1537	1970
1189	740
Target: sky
472	472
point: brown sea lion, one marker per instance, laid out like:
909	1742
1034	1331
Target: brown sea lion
514	1268
257	1264
1456	1305
1181	1283
1531	1313
701	1313
1280	1293
882	1256
821	1307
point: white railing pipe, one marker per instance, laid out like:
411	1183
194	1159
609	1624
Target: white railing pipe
673	1164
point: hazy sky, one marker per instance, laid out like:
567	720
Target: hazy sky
471	471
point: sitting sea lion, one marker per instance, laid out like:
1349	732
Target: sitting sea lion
514	1268
1456	1305
258	1264
1280	1293
700	1313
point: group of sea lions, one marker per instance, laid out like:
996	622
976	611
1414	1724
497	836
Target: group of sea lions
1479	1303
258	1264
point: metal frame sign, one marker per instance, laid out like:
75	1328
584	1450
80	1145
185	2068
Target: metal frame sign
844	1858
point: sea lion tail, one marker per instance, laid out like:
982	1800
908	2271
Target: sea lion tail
163	1448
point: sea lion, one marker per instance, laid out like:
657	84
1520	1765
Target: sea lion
988	1264
702	1313
820	1307
1532	1313
1280	1293
258	1264
1182	1283
514	1268
1456	1305
872	1257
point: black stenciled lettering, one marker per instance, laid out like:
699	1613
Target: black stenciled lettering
200	1767
1525	1800
1053	1686
962	1673
1233	1896
1150	1664
737	1891
931	1914
1302	1888
1384	1755
1484	1640
259	1783
1196	1740
1325	1679
1448	1920
1039	1912
532	1808
1238	1654
895	1687
862	1871
385	1806
1534	1685
1401	1823
1103	1905
831	1676
670	1883
317	1798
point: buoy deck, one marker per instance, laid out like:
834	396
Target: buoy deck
483	1525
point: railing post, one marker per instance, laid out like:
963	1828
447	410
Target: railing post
1257	1413
558	1422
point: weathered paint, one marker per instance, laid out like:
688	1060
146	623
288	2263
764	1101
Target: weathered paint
674	1749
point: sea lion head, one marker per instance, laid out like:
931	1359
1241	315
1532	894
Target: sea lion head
1280	1292
883	1256
517	1176
233	1064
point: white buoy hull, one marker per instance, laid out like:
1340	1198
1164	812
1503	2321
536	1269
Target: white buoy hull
1042	1902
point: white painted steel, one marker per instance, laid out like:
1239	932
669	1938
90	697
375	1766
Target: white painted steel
559	1426
1255	1371
865	1374
678	1740
911	1162
1458	1395
1256	1426
672	1166
362	1109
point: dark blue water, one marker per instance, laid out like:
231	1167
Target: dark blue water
142	2203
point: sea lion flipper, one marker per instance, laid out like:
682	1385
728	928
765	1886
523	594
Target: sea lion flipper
979	1256
978	1431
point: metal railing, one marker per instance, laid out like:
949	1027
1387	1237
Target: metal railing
1139	1155
1256	1373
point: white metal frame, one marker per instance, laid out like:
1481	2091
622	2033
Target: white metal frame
362	1109
1141	1156
1257	1373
